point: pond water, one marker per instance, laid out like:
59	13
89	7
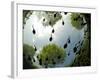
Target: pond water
60	36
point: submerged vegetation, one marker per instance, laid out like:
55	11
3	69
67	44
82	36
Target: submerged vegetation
84	57
49	18
28	52
77	20
51	55
26	15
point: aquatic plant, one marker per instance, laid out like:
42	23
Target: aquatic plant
26	15
51	55
76	20
28	52
84	57
49	18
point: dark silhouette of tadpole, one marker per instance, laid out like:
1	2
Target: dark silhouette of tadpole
54	15
69	40
46	59
33	60
49	22
65	45
59	57
79	42
35	48
29	58
65	13
74	49
44	19
53	30
34	32
68	53
23	27
46	66
40	61
83	24
38	56
53	62
63	23
82	43
50	39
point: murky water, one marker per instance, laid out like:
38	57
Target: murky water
60	36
